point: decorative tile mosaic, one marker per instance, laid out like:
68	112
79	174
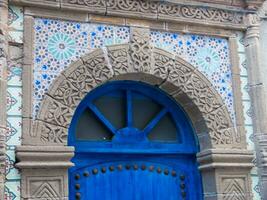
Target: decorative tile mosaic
14	102
209	54
256	187
15	22
13	136
11	172
14	74
12	190
14	118
58	43
14	97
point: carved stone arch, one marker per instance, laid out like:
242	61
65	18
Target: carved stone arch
44	149
185	83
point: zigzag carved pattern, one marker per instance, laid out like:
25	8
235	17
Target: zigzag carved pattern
45	191
234	191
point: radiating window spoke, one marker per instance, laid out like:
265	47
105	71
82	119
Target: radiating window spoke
154	121
102	118
125	112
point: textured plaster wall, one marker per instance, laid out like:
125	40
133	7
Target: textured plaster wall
58	43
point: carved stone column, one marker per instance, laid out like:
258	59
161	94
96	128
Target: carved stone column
258	96
3	78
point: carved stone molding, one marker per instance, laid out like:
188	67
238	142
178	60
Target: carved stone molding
252	20
30	157
42	184
44	171
227	172
140	49
137	61
208	14
235	188
253	4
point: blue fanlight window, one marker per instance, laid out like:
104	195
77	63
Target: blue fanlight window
133	116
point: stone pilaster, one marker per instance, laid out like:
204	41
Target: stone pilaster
3	78
44	171
226	173
257	95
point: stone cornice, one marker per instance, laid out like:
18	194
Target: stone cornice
216	158
220	16
44	157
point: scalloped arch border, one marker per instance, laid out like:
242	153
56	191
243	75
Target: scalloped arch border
190	88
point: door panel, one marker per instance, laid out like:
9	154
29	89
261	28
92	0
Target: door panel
135	178
129	181
132	142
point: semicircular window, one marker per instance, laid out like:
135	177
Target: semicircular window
127	112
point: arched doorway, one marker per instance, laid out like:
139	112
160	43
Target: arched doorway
132	141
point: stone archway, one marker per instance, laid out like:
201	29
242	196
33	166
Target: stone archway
221	146
136	61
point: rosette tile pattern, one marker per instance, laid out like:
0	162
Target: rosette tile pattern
135	61
55	51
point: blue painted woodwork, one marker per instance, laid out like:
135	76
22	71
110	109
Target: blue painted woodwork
130	166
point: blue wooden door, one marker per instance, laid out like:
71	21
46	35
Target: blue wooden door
132	142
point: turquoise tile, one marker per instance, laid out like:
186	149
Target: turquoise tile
256	188
11	172
242	64
15	36
12	190
240	42
15	18
247	112
250	137
14	74
245	88
14	125
14	100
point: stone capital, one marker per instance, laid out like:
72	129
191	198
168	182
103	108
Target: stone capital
252	20
3	3
225	171
253	4
48	157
